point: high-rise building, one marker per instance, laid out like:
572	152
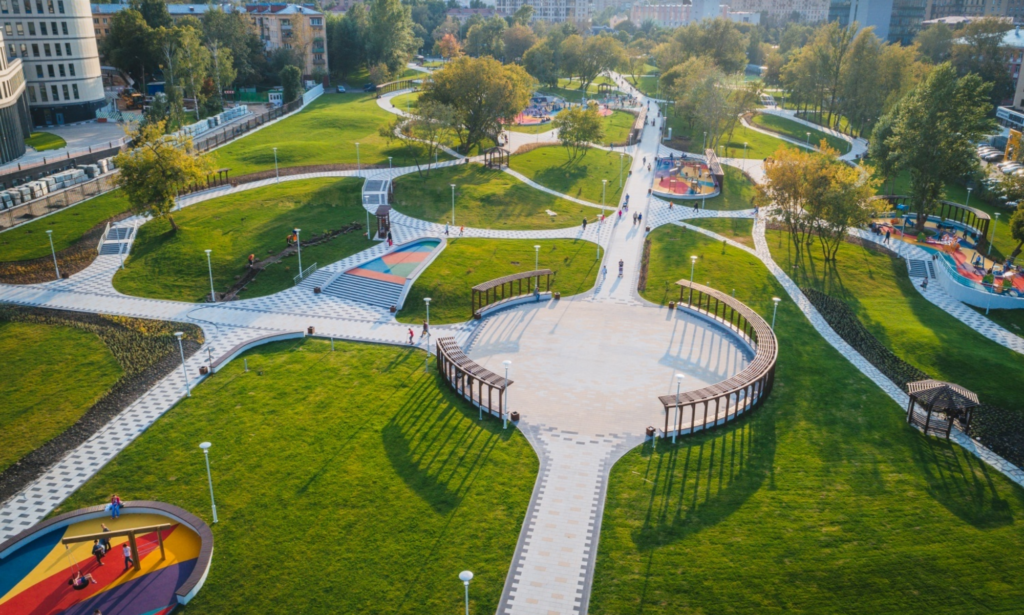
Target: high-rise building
664	15
546	10
57	46
292	26
896	21
14	118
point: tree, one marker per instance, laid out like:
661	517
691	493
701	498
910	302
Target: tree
1017	231
487	39
154	12
222	69
719	39
389	35
129	45
637	54
980	50
234	31
588	58
425	134
934	131
523	16
192	64
879	150
448	47
482	94
518	39
345	45
578	127
291	79
935	43
539	61
156	168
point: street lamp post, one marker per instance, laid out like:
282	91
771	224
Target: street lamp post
994	224
604	186
968	203
359	170
426	361
54	253
209	268
298	246
390	166
775	310
744	150
536	263
453	203
277	174
507	365
808	139
679	384
181	349
209	477
466	576
693	263
621	156
704	146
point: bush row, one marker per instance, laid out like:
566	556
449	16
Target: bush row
999	429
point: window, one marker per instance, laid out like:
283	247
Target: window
71	69
53	28
74	88
56	95
49	69
20	28
60	6
49	6
28	7
106	31
31	93
96	21
39	71
24	50
8	30
57	45
31	28
316	21
46	48
67	46
65	88
42	93
42	28
12	50
60	67
39	6
64	28
35	50
3	6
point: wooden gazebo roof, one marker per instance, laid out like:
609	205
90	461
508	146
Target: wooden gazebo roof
942	396
383	210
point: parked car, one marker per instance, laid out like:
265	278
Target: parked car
341	89
992	157
1010	168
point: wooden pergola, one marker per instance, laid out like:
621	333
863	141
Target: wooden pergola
496	157
383	214
936	405
508	287
469	378
605	89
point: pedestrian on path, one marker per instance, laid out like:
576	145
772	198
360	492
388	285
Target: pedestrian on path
887	232
621	264
426	329
127	552
252	259
410	335
98	552
445	229
584	224
604	271
106	541
634	218
390	242
756	210
640	218
620	214
462	229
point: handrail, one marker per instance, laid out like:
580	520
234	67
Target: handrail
742	392
983	218
964	281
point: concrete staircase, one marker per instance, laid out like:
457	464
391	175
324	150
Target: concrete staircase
364	290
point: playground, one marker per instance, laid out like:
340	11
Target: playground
684	177
38	571
543	109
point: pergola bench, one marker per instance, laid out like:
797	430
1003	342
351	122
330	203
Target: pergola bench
468	378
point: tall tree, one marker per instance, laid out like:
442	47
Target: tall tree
236	32
192	63
935	43
448	47
482	93
345	45
156	168
518	39
389	37
129	46
578	127
934	131
487	39
539	61
980	49
291	79
222	69
588	58
154	12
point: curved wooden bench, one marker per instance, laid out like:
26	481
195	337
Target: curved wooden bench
493	291
742	392
462	373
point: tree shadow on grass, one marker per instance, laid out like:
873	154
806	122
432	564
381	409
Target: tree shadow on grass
703	480
961	482
438	454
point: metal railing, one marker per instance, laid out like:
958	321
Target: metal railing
305	273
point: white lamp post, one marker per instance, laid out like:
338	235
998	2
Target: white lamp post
693	263
621	156
54	253
744	150
298	246
181	349
466	576
968	196
359	171
994	224
705	144
390	167
808	139
679	384
507	365
277	174
209	477
775	310
453	203
209	268
604	186
426	361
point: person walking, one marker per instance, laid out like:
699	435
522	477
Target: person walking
584	224
390	240
640	218
620	214
426	329
127	552
887	234
634	218
445	229
604	271
105	541
462	229
621	264
98	552
411	335
252	259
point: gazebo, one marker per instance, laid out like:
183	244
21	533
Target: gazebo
496	157
935	406
383	221
605	89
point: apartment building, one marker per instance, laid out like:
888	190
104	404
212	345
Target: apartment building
664	15
15	125
102	14
57	46
810	11
292	26
546	10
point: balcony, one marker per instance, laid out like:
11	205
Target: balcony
319	61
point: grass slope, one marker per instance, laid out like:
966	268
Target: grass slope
324	132
759	145
798	131
881	293
42	141
737	229
56	374
548	166
484	198
169	265
346	482
822	502
468	262
29	241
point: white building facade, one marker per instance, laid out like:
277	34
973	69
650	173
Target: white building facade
14	118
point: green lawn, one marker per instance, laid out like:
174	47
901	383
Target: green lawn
42	141
468	262
737	193
54	375
29	241
169	265
844	124
737	229
759	145
648	84
346	482
823	501
408	102
548	167
1011	320
484	198
880	291
532	129
325	132
798	131
617	127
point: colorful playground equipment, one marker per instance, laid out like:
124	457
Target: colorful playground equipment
684	177
170	552
543	110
